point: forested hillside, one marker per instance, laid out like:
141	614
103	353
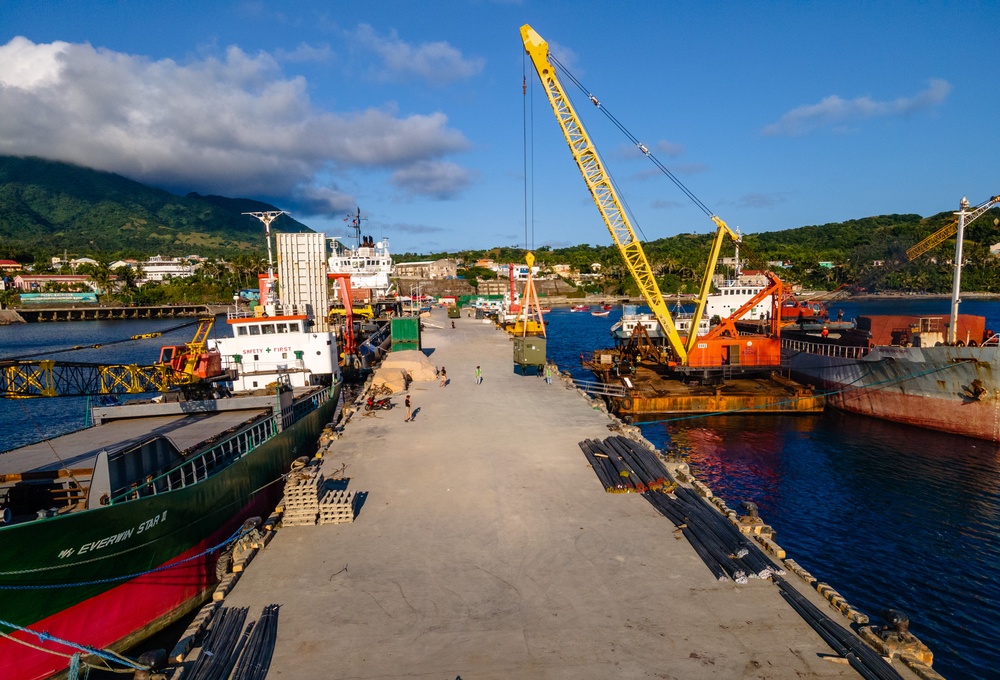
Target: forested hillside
47	208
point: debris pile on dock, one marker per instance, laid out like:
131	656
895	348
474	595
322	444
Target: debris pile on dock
337	507
625	466
727	552
302	492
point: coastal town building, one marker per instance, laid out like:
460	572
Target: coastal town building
428	269
159	268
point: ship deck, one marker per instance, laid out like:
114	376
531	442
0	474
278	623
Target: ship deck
80	448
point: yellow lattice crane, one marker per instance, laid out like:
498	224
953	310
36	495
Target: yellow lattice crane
603	192
187	366
943	234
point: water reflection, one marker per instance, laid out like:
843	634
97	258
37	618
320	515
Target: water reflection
888	514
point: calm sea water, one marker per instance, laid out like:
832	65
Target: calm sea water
889	515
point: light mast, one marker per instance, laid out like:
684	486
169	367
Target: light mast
267	218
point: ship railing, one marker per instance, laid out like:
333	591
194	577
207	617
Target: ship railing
598	388
262	312
200	467
826	349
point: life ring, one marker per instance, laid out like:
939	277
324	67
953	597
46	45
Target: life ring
263	315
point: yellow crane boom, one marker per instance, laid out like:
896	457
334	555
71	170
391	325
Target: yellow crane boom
601	188
603	192
948	231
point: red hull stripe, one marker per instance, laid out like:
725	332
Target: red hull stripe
115	614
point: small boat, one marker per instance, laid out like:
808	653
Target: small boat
606	308
603	312
580	308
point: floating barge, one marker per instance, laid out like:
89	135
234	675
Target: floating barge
653	390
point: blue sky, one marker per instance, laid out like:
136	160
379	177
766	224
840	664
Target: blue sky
774	114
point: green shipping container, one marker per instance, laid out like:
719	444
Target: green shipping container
402	346
406	329
529	351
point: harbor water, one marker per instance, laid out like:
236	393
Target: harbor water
890	516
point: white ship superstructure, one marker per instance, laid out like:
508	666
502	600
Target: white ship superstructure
368	262
286	339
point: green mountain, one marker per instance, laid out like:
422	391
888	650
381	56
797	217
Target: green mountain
48	207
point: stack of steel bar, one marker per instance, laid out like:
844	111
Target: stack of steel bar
727	552
865	660
221	647
625	466
256	658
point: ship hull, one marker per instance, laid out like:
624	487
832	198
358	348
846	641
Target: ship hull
84	554
949	389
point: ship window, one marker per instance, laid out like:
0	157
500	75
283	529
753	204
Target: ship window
254	330
284	355
293	327
268	329
241	330
282	327
255	383
256	357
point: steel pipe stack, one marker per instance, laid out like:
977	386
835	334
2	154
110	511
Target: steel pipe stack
625	466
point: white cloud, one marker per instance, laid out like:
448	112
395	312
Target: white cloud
437	63
234	125
834	111
438	179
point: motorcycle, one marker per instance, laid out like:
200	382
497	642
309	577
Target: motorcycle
374	404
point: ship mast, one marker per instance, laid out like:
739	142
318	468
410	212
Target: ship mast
267	218
956	286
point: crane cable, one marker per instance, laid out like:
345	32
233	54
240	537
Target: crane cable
642	147
99	344
751	256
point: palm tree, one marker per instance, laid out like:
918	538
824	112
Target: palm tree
100	277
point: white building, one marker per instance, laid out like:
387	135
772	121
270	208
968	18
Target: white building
159	268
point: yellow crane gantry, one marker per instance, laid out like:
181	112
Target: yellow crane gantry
603	192
179	366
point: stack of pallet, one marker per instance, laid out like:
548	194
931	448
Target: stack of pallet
337	507
302	492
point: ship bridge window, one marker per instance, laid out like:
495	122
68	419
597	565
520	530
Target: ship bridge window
255	330
282	327
241	330
267	328
293	327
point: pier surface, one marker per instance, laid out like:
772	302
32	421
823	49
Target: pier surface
486	548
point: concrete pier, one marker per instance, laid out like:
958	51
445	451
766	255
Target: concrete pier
486	548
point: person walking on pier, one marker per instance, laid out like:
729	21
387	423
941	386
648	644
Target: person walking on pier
479	376
444	377
548	374
409	414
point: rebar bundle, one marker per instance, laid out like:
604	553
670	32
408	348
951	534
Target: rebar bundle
256	657
865	660
727	552
222	645
625	466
